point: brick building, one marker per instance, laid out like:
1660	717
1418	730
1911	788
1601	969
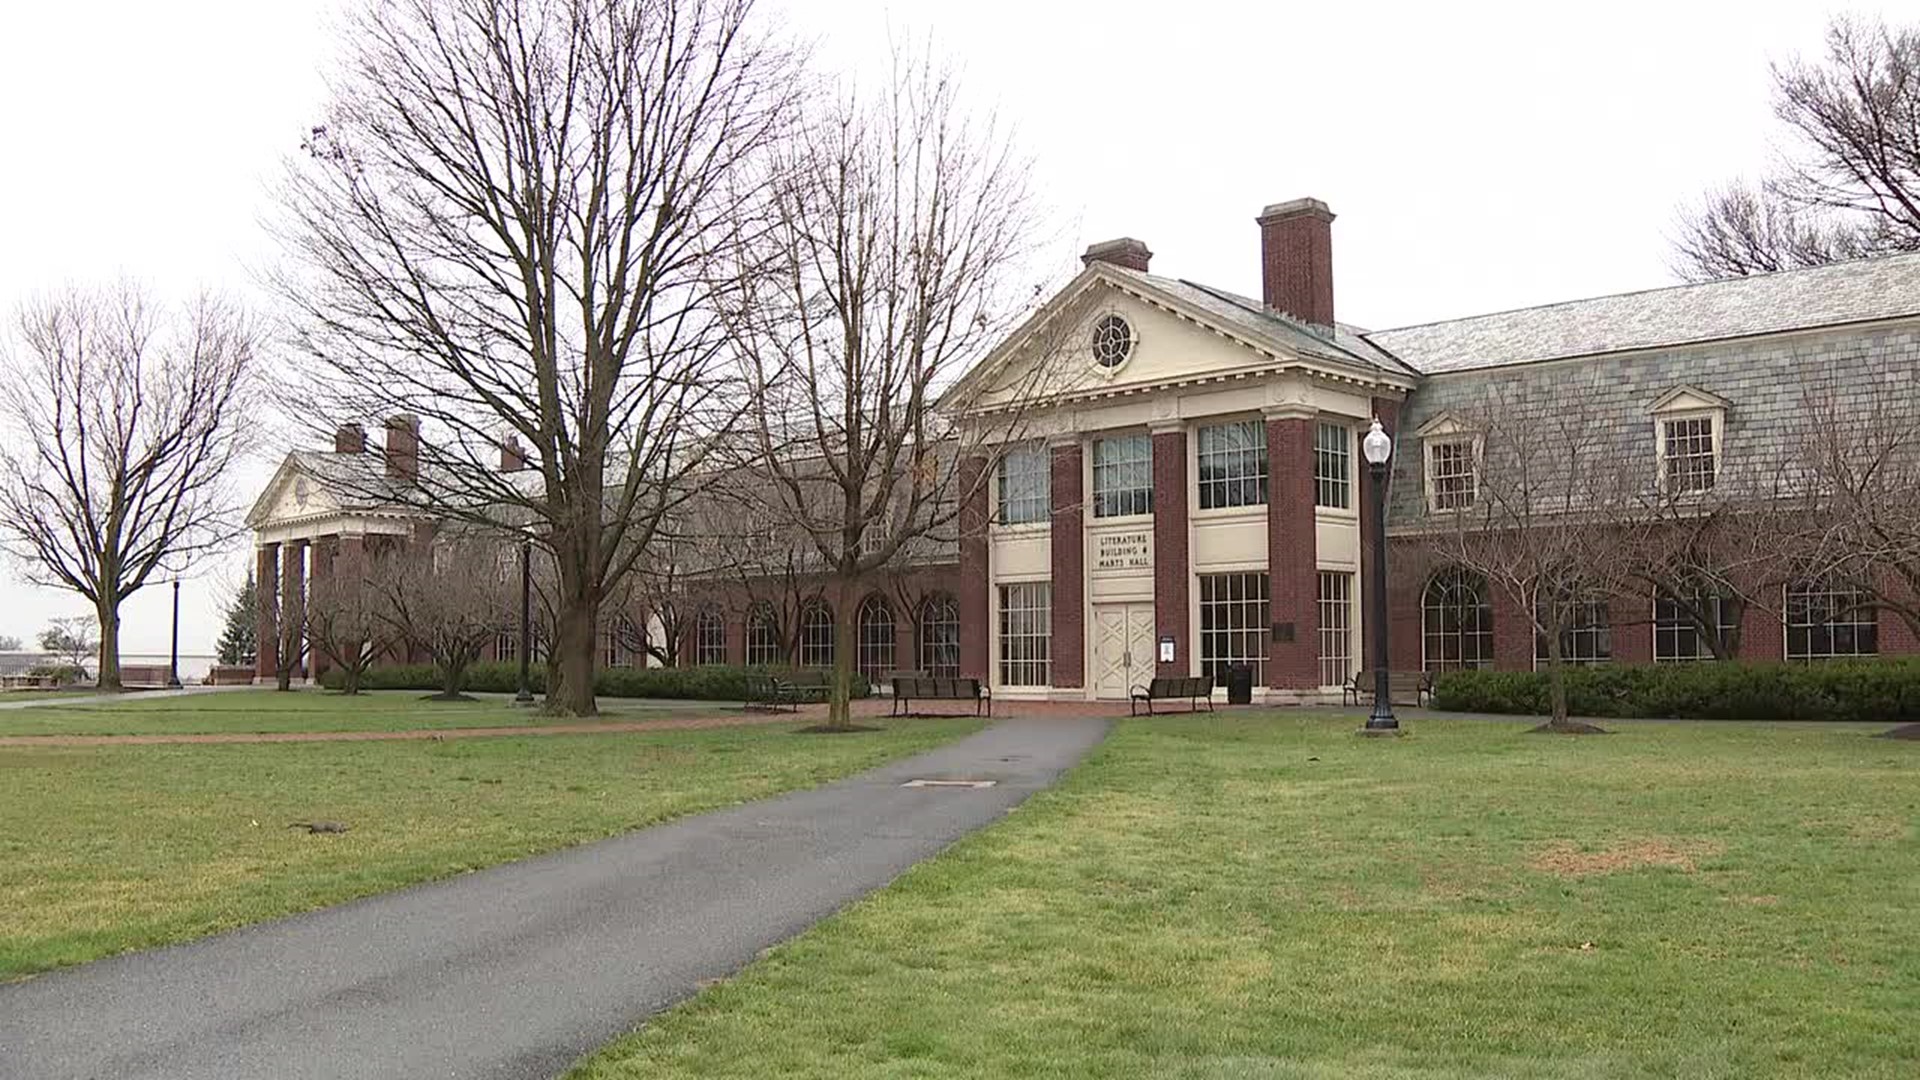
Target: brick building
1192	495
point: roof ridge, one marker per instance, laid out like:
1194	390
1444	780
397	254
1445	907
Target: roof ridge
1676	287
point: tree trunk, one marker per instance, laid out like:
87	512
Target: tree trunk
108	675
845	650
571	692
451	675
350	678
1556	678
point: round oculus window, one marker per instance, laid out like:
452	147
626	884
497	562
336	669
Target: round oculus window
1112	341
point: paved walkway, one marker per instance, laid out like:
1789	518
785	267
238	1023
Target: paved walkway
38	701
514	972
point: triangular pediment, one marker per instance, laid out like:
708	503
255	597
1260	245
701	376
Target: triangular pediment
293	493
1111	333
1686	399
1445	423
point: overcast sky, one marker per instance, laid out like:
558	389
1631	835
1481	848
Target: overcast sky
1479	156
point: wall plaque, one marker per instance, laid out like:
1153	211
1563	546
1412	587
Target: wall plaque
1123	550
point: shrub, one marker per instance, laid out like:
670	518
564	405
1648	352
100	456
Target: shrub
714	682
62	674
1875	691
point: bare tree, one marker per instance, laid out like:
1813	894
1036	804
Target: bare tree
123	420
1553	519
347	618
1851	184
75	639
507	226
449	598
1855	513
899	227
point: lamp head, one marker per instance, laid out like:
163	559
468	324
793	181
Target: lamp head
1377	446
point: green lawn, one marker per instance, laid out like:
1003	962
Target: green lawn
305	710
1269	896
108	849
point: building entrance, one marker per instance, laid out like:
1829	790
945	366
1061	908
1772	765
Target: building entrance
1122	648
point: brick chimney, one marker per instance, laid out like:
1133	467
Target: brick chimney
513	456
1296	259
403	447
1126	251
349	439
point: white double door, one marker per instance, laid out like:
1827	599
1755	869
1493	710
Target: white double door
1122	648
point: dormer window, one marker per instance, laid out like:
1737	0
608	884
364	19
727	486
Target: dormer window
1451	456
1687	460
1687	423
1450	474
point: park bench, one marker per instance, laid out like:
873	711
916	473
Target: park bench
144	676
790	690
909	687
1403	688
230	675
1193	687
29	682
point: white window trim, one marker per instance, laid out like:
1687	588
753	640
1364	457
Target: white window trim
1355	468
1428	445
1716	417
1687	403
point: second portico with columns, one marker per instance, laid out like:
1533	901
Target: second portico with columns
1179	491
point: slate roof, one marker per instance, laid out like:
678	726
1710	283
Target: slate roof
1344	345
1861	290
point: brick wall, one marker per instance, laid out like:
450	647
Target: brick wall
1068	647
971	590
1292	554
1171	575
266	581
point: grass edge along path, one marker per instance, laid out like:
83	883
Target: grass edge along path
1268	896
120	848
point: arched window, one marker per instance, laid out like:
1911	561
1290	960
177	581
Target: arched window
763	636
940	636
1830	617
875	655
816	635
619	640
1456	622
709	638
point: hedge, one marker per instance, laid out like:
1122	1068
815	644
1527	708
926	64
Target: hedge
714	682
1874	691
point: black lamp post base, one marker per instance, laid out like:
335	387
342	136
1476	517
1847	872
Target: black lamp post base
525	700
1371	732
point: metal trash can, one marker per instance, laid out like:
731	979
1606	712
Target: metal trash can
1240	684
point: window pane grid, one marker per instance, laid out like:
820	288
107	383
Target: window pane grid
710	638
1026	634
1026	485
1689	454
874	649
1232	463
1586	634
1450	473
1827	619
1122	476
1677	637
1234	624
816	635
763	637
940	637
1456	623
1336	628
1332	466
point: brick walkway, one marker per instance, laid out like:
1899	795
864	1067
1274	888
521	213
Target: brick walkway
723	717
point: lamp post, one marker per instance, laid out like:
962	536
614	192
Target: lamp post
173	658
1378	448
525	696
